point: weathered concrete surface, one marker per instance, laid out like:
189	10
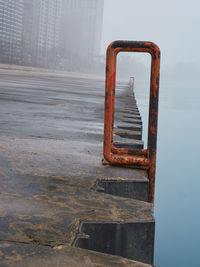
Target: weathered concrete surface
23	255
50	167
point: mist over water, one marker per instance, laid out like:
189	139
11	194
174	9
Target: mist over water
177	180
174	26
177	198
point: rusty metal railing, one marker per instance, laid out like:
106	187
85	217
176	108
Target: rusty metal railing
144	159
131	83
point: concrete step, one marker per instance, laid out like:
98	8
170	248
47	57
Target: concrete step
125	187
131	116
130	134
128	240
127	115
128	126
57	212
124	112
130	120
121	104
131	144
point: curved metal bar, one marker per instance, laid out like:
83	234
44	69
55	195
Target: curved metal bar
122	156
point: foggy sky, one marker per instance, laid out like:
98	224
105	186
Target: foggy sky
172	24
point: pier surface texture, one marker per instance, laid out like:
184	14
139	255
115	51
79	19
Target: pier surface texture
59	205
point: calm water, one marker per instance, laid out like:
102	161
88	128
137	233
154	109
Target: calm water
178	175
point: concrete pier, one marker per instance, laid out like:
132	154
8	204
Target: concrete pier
59	205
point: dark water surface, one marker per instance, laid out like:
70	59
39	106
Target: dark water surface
177	199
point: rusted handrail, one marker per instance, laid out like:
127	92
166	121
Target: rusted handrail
146	159
131	83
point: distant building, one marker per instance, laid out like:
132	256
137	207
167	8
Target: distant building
63	34
42	22
82	30
30	39
11	31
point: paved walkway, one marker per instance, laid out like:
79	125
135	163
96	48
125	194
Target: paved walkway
51	132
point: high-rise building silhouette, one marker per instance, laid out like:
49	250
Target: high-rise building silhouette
11	31
82	30
63	34
42	22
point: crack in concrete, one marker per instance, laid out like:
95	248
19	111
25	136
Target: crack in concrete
32	242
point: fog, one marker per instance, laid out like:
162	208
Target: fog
73	35
53	34
173	25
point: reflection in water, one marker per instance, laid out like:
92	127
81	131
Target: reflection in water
177	180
